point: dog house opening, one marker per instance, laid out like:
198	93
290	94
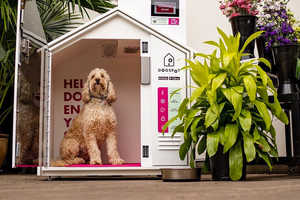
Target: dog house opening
69	73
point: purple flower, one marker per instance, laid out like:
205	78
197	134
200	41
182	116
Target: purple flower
286	41
272	33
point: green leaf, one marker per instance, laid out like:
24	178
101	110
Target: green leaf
211	116
231	134
265	157
224	36
265	61
220	108
194	133
184	148
199	72
182	108
168	123
190	119
250	39
263	75
282	117
174	92
278	111
236	162
179	128
212	43
215	125
201	55
218	81
197	93
264	113
212	143
212	97
238	89
221	133
2	53
270	84
263	93
227	58
264	144
202	145
192	158
256	135
249	147
245	120
235	99
250	86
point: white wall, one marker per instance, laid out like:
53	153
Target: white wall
204	16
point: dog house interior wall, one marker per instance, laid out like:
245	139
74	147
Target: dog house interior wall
144	68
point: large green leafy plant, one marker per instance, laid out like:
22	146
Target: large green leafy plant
229	106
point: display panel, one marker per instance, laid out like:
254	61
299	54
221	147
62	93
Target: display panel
166	8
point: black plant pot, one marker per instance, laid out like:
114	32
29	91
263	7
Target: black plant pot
219	164
245	25
267	54
285	57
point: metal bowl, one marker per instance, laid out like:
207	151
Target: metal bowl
184	174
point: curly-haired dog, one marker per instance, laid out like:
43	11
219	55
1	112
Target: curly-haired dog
28	121
94	125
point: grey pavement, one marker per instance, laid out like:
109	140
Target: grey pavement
262	186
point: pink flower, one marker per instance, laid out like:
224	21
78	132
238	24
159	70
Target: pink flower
244	6
222	7
254	12
240	2
234	15
230	4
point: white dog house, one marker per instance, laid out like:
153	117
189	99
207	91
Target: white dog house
144	67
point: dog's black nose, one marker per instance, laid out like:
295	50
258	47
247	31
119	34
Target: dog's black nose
97	81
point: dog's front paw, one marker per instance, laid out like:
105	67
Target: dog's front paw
116	161
95	162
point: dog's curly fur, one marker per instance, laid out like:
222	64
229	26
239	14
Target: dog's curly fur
93	126
28	121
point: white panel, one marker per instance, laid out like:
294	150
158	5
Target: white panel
280	137
141	10
117	28
165	149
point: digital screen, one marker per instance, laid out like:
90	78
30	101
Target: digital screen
166	8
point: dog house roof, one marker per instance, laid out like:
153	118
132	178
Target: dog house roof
77	33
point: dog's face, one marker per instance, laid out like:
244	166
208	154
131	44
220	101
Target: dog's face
99	85
98	82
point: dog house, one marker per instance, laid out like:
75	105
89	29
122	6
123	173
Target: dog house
144	67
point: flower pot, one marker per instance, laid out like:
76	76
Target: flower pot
3	147
267	54
285	57
219	165
245	25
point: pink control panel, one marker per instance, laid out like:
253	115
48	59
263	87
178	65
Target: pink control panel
163	96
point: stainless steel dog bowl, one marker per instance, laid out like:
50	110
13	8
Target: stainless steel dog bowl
184	174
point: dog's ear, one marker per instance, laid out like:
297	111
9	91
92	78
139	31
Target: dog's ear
111	96
85	93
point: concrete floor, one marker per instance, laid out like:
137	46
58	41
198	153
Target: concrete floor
31	187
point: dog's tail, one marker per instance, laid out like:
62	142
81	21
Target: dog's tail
64	163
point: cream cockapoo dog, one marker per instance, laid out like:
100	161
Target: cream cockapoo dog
94	126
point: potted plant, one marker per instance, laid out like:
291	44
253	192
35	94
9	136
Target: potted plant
6	83
229	113
279	36
242	15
